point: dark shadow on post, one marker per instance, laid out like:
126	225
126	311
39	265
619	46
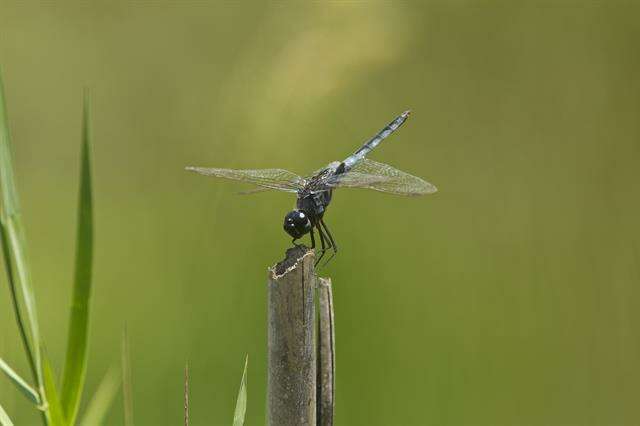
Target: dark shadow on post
292	357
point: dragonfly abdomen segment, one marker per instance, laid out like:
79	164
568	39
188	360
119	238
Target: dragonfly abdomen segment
353	159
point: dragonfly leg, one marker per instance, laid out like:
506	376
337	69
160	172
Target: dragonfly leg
332	242
322	244
313	239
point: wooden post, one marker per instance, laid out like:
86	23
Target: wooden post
291	382
326	354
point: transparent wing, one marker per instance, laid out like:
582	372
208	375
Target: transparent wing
256	190
280	179
380	177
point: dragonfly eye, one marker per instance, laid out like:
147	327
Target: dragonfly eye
297	223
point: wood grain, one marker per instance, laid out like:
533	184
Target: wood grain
292	356
326	354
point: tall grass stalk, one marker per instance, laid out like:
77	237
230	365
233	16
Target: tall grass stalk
14	253
58	409
77	341
186	394
127	387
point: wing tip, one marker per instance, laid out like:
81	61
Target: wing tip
428	189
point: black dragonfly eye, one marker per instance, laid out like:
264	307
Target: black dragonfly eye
297	223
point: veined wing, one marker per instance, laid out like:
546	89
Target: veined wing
381	177
280	179
255	190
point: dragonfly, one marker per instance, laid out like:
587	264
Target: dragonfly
314	192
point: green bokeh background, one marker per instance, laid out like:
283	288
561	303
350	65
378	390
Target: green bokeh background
510	297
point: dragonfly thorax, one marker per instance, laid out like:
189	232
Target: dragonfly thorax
314	204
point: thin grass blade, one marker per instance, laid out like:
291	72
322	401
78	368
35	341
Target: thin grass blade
127	387
4	418
13	243
77	341
53	409
186	394
20	383
241	402
103	398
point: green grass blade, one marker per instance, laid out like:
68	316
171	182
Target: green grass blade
13	243
102	400
241	402
9	192
53	409
4	418
127	387
20	383
77	341
15	299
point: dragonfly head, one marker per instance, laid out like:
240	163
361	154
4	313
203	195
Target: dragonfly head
297	223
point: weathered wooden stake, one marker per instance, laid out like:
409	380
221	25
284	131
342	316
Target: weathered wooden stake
292	355
326	354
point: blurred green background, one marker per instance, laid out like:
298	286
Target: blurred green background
510	297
